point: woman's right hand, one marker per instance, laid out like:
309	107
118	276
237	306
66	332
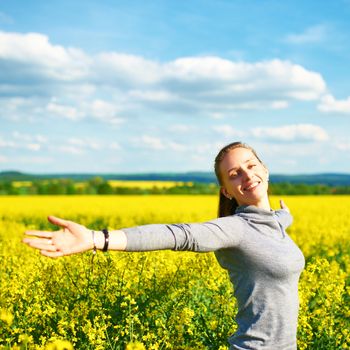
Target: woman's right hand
70	239
284	206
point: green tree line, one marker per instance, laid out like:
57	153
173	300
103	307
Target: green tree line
98	185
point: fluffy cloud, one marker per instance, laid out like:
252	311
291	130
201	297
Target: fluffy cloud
37	59
71	149
228	130
28	137
180	128
150	142
343	146
6	144
330	104
33	146
19	140
63	111
61	82
291	133
158	144
79	146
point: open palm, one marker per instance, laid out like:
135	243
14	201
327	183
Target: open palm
71	238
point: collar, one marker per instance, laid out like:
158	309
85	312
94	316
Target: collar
252	209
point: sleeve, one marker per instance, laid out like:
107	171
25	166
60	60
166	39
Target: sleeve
208	236
284	217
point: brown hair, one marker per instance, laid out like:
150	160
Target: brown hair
228	206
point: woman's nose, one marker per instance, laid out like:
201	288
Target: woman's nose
248	174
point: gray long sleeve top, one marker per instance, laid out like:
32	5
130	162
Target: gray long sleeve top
263	263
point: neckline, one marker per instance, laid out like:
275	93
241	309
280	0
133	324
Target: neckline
252	209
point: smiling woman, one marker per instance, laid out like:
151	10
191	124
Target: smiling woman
248	238
243	178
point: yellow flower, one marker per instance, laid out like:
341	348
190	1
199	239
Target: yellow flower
59	345
135	346
6	316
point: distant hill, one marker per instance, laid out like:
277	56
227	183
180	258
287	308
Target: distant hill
330	179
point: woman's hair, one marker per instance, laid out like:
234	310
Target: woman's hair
228	206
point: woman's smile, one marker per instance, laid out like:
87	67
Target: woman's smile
252	186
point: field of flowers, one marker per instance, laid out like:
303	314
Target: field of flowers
157	300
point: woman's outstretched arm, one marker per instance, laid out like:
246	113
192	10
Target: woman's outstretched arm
75	238
72	238
201	237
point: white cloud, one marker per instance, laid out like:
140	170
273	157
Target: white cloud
115	146
330	104
104	111
228	130
68	83
177	147
280	104
34	160
153	96
76	142
291	133
94	145
6	144
314	34
158	144
17	108
83	143
71	150
67	112
208	148
216	115
343	146
41	138
124	70
220	82
97	109
35	55
19	140
151	142
33	147
181	128
19	136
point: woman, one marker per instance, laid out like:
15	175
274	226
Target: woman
248	238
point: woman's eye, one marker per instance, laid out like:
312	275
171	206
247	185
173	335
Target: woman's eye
233	175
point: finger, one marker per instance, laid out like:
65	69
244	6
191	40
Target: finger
56	254
37	240
58	221
43	234
42	246
283	205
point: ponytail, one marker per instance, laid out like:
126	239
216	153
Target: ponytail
226	206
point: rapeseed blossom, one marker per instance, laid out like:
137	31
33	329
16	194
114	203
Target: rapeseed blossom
157	300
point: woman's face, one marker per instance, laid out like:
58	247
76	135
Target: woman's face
244	177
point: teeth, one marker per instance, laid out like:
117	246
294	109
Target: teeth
252	185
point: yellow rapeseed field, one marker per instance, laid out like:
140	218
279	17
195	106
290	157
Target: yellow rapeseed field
157	300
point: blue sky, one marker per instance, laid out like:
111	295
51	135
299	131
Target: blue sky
161	86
